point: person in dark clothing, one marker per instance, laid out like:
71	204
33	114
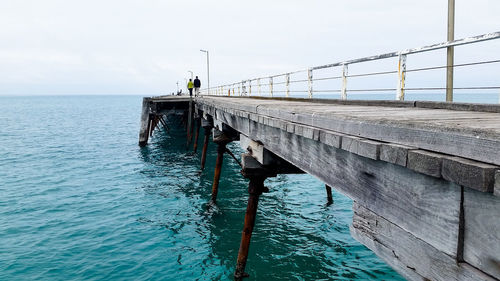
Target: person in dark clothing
197	85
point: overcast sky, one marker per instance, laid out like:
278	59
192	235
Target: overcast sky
144	47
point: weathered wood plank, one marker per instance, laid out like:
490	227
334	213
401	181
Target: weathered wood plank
482	231
362	147
459	170
394	153
331	138
425	162
423	205
468	141
473	174
411	256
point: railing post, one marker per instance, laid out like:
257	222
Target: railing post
287	83
400	94
450	51
258	83
271	85
344	82
310	82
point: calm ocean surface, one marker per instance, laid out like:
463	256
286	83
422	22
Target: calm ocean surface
80	200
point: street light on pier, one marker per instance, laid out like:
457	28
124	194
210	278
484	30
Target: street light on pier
208	71
191	74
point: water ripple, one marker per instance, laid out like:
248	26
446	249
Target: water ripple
81	201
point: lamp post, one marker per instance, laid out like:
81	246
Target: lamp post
208	71
191	74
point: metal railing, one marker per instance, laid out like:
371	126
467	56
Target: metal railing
257	86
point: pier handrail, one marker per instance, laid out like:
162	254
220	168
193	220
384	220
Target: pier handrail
244	87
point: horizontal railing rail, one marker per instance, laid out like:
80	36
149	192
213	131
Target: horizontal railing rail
256	86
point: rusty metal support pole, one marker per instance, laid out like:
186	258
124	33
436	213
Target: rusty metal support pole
190	122
329	194
255	189
193	124
221	148
198	125
184	121
205	147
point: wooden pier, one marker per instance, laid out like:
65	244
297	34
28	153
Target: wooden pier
424	176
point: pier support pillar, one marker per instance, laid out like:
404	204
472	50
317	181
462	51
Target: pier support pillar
221	148
154	123
190	123
221	140
329	194
197	133
207	125
257	174
145	122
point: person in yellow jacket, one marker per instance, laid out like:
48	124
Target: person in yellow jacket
190	87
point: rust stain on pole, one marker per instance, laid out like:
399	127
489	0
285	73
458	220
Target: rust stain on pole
189	127
255	189
198	125
205	146
221	148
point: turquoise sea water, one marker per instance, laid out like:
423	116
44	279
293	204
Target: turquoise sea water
80	200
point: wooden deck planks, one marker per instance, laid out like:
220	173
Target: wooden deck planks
469	134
